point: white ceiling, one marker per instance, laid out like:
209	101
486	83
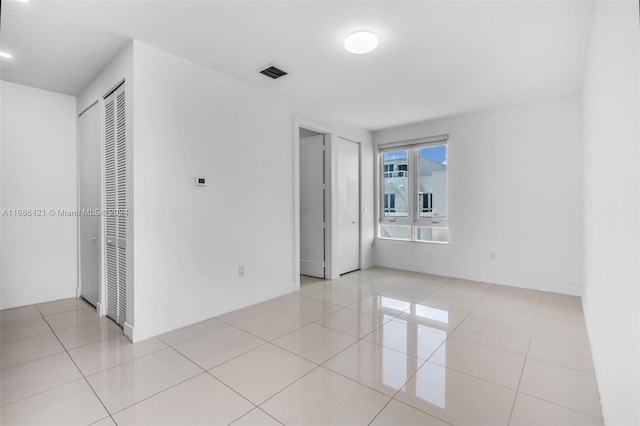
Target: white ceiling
436	58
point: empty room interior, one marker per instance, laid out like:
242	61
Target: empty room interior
320	212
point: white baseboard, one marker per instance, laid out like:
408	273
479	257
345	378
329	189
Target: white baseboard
32	299
101	309
137	333
128	331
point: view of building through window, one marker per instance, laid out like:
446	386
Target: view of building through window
415	193
395	183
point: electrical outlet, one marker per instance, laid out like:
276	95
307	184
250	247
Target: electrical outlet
492	255
241	271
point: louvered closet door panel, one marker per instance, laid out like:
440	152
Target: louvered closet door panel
121	180
122	285
116	205
111	205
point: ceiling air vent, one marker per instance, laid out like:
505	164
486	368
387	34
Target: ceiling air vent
273	72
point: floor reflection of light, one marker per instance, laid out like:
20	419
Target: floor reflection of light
395	304
392	331
421	340
431	385
435	314
394	373
387	317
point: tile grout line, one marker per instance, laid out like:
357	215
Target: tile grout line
524	364
251	411
79	370
273	308
222	363
427	360
208	372
324	363
556	403
161	391
35	359
562	406
424	362
118	365
321	365
154	394
46	390
363	339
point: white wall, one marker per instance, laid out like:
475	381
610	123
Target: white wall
189	241
611	176
119	68
515	188
38	155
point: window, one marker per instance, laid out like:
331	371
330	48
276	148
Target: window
413	190
389	203
427	202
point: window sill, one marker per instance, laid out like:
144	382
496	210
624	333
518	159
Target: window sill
414	241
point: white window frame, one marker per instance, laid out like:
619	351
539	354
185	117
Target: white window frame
413	219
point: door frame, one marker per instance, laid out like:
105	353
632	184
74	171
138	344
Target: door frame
327	131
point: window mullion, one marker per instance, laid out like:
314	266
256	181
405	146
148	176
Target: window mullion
413	187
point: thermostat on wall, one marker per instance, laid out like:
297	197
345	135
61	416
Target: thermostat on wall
201	181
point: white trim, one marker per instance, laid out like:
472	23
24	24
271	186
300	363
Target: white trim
42	297
101	309
102	293
128	331
78	228
87	108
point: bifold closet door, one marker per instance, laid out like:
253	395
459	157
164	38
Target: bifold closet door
116	204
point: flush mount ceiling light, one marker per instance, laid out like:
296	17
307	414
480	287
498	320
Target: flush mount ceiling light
361	42
5	55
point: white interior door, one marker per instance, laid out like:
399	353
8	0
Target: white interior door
90	193
312	198
348	186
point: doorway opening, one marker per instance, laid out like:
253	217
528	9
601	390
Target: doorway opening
313	202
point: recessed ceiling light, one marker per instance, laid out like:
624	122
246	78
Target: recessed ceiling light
23	1
5	55
361	42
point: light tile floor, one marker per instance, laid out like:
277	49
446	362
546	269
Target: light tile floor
380	347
